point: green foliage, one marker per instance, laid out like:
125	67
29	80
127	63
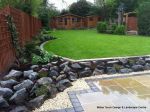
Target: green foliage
14	35
81	8
144	18
43	57
113	28
43	89
120	30
102	27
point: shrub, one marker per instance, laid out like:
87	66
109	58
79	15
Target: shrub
43	57
102	27
113	28
120	30
144	18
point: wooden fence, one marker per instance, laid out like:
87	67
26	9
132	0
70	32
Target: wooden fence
27	27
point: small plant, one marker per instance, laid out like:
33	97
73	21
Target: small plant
102	27
43	89
113	28
120	30
43	57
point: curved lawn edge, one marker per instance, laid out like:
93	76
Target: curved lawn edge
91	59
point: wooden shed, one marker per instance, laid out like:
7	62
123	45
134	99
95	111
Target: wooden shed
71	21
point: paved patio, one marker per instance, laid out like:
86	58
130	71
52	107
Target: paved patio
130	94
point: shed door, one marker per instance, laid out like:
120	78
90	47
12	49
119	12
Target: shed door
65	21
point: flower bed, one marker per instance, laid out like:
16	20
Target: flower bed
27	90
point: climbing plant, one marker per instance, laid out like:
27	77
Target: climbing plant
14	35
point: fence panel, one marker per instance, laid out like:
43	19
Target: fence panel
27	27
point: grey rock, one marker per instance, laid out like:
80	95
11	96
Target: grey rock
137	68
25	84
125	70
98	71
67	69
6	92
113	62
8	83
76	66
140	62
63	65
61	88
72	76
65	82
54	74
147	66
36	102
86	64
123	61
55	68
147	60
44	81
85	73
61	77
30	75
3	103
111	70
19	97
13	74
20	109
35	68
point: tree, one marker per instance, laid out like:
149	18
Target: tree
64	11
81	8
144	18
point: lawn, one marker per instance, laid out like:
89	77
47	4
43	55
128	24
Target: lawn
86	44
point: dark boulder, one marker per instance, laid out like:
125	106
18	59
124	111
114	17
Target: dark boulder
8	83
53	74
72	76
137	68
6	92
62	66
140	62
55	68
19	97
98	71
76	66
67	69
123	61
20	109
85	73
147	60
3	103
61	77
111	70
13	74
25	84
44	81
125	70
31	75
35	68
65	82
147	66
36	102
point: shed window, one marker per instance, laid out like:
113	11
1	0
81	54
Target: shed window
60	20
91	18
78	19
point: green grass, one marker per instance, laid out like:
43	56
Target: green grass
86	44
